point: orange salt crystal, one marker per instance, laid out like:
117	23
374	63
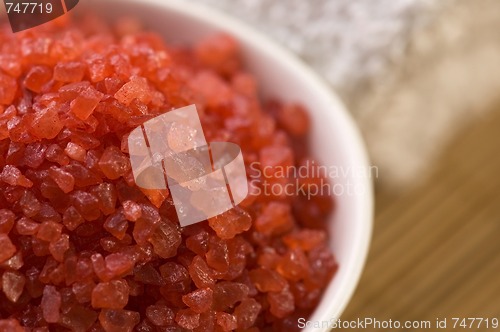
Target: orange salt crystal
7	218
114	163
58	247
281	303
14	263
200	273
37	77
64	180
8	88
305	239
294	119
116	225
11	325
294	265
247	312
110	295
187	319
166	239
86	204
85	103
231	223
107	195
49	231
160	315
267	280
136	88
13	176
26	226
227	294
72	218
45	124
13	285
118	320
75	152
200	300
226	321
51	304
69	72
56	154
131	210
276	219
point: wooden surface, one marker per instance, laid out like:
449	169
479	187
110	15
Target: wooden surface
436	249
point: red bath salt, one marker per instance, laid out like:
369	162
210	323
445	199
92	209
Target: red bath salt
83	248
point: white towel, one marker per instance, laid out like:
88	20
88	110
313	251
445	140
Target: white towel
411	71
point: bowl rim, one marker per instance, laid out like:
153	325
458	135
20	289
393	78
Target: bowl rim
243	32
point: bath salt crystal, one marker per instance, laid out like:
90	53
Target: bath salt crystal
8	88
110	295
13	176
75	152
69	72
187	319
46	124
13	285
7	218
114	163
282	303
246	313
37	77
51	304
200	300
160	315
64	180
86	102
118	320
227	321
200	273
138	88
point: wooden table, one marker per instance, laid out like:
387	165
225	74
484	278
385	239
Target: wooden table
436	248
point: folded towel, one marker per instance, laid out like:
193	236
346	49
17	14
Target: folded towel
412	71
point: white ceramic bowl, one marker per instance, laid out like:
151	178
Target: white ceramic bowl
335	138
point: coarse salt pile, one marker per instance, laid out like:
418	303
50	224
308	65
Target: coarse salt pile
84	249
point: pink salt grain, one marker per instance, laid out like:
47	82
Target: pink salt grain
84	105
8	249
46	124
136	88
7	218
131	210
69	72
75	152
160	315
63	179
110	295
26	226
13	176
49	231
13	285
11	325
246	313
187	319
51	304
118	320
37	77
226	321
200	300
114	163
